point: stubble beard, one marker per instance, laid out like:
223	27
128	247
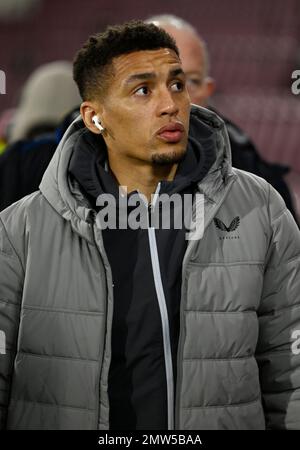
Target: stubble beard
166	159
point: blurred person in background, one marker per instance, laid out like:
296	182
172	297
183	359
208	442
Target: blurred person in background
47	97
141	327
201	86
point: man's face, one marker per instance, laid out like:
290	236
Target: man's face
192	56
146	93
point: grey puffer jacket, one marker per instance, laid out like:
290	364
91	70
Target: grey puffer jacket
238	362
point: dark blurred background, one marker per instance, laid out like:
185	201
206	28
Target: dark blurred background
254	47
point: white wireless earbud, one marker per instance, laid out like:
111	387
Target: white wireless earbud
97	123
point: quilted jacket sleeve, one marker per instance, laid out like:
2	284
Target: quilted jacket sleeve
11	276
278	349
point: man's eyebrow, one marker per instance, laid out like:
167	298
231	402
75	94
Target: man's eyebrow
175	72
140	77
151	75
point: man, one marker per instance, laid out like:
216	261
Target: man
201	86
140	328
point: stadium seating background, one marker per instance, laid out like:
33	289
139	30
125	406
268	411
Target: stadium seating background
254	47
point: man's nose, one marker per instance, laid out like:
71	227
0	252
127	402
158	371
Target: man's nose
166	103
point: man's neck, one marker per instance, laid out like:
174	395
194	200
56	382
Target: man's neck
141	177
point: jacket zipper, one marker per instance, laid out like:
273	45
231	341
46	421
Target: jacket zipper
164	315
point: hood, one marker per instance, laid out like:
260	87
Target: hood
89	164
66	198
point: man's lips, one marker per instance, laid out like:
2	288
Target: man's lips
172	132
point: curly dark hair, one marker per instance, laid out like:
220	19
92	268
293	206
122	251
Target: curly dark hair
92	65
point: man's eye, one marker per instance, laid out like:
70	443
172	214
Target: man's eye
142	91
178	86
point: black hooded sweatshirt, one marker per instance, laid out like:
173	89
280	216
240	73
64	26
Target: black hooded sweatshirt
137	385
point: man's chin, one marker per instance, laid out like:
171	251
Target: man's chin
168	158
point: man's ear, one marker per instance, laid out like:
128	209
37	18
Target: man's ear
210	86
88	110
